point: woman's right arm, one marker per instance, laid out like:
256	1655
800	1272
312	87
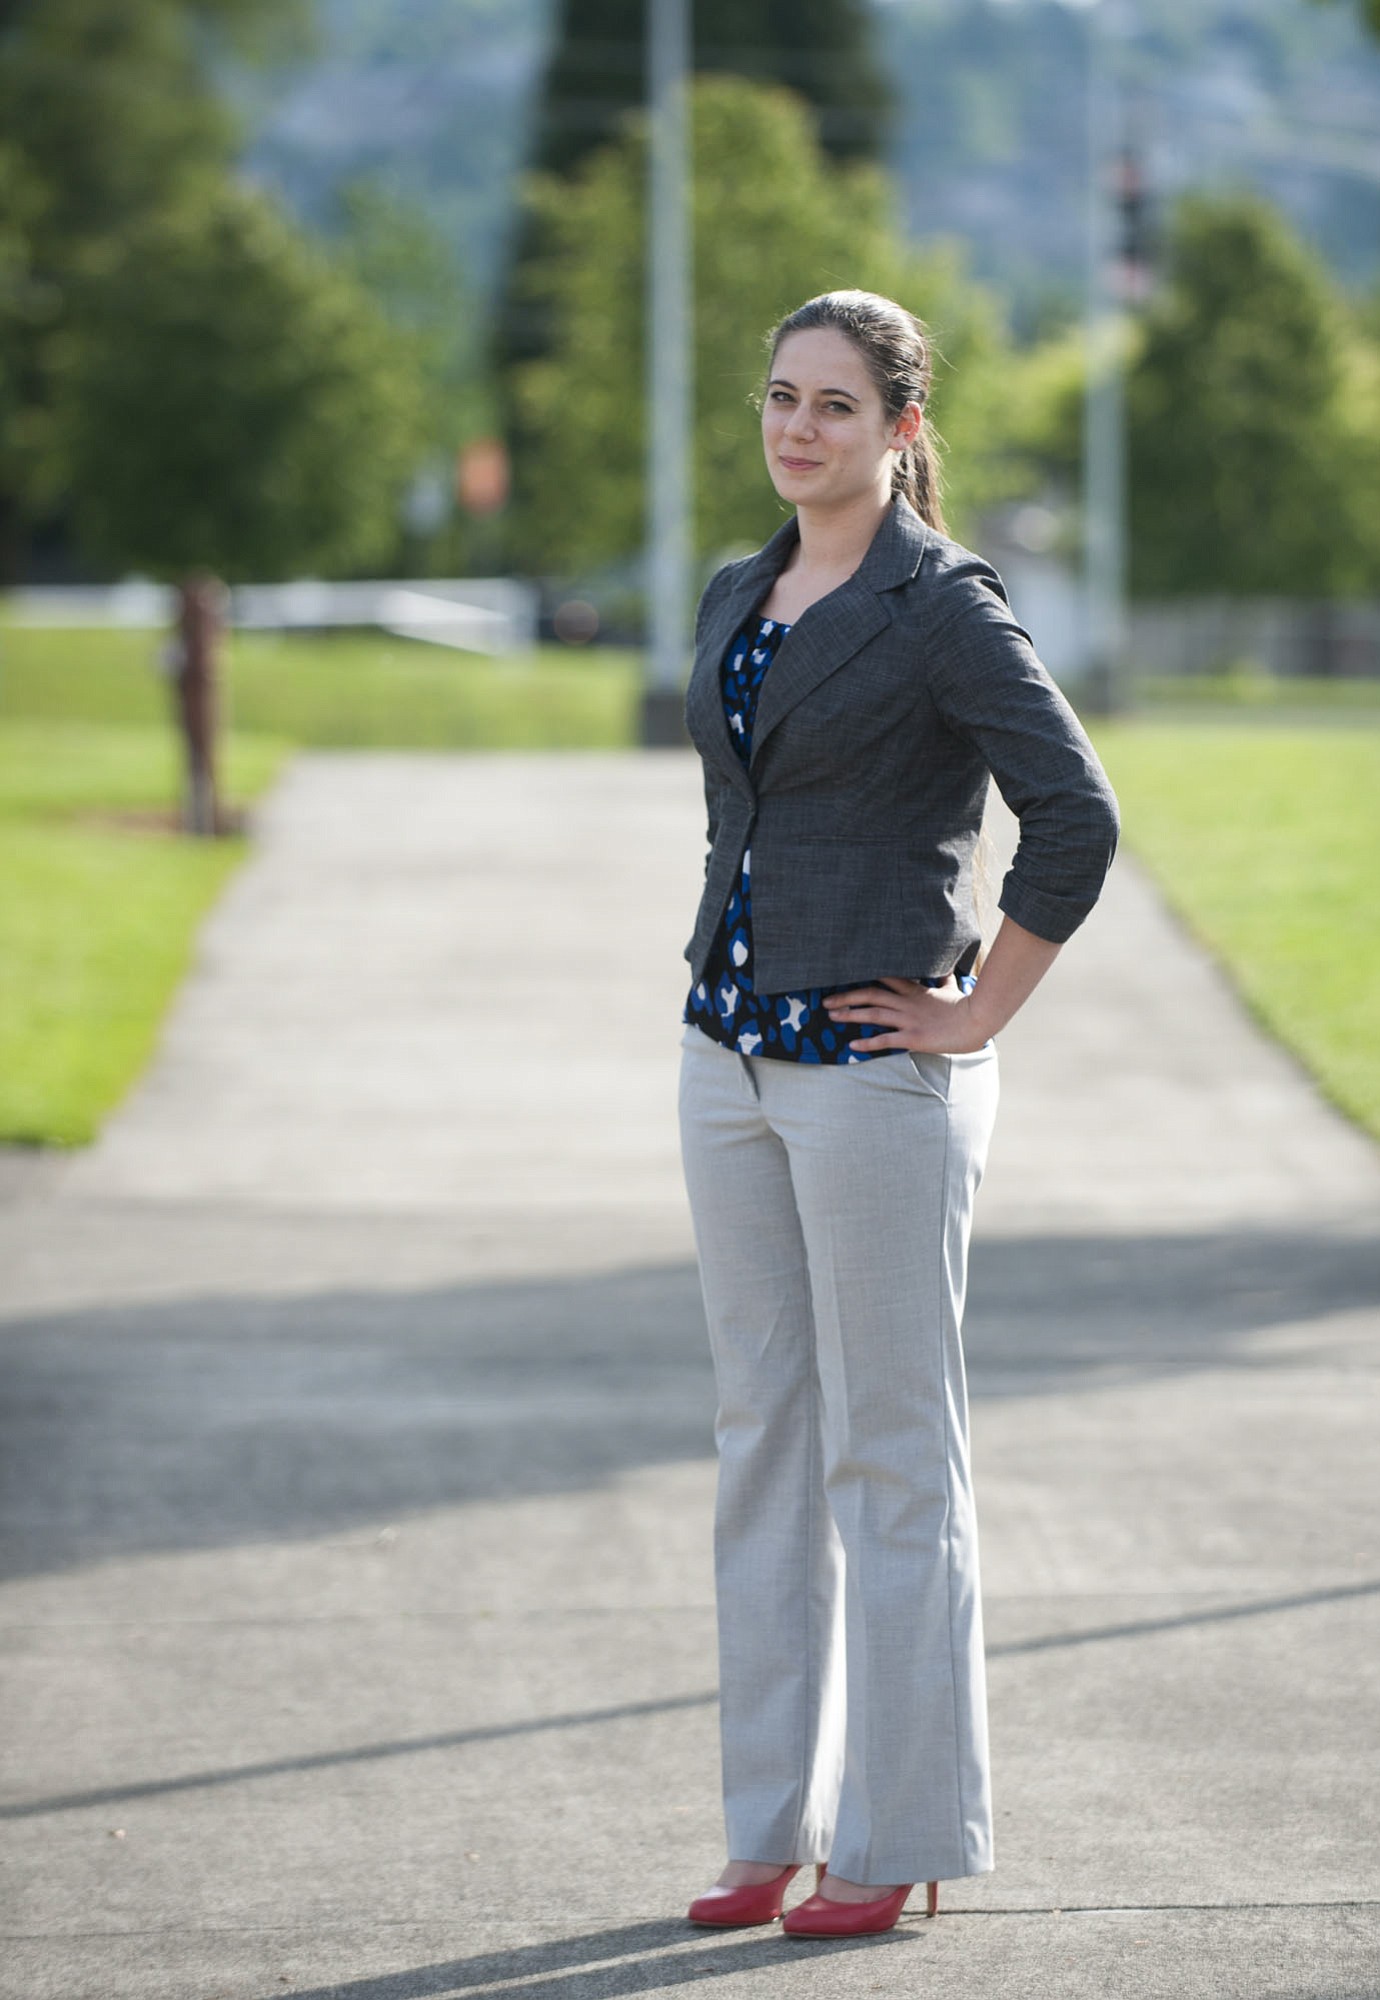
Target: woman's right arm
993	689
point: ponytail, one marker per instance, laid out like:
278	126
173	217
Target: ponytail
917	476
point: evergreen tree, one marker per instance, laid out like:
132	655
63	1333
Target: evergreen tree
821	49
1247	463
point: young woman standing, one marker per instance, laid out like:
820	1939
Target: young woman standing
855	683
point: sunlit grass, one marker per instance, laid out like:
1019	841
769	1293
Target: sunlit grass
1261	694
99	903
342	690
1266	841
1262	832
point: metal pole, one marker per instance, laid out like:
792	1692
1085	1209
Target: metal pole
668	321
1104	425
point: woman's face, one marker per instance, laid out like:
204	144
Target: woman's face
827	437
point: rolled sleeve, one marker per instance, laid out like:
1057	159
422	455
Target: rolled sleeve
992	689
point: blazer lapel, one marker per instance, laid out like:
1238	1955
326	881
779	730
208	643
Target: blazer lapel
828	634
820	641
824	637
704	707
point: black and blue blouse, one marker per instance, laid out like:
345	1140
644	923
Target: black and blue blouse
725	1004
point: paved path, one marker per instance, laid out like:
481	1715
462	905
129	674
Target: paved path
358	1635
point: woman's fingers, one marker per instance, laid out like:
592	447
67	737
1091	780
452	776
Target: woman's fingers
873	1004
877	1009
862	996
911	1014
889	991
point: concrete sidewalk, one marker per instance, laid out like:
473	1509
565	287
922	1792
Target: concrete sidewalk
358	1636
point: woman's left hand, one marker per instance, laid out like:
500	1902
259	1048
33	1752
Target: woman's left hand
932	1020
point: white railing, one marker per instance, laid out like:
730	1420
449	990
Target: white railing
472	614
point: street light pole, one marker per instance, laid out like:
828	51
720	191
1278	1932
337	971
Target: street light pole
668	369
1104	415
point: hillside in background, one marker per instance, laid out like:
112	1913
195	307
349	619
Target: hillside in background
433	95
988	143
1277	95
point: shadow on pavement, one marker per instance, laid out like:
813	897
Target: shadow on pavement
647	1964
196	1781
364	1753
209	1422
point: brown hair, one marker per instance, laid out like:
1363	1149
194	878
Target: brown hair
896	348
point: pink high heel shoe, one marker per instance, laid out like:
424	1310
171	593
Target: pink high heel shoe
754	1903
821	1916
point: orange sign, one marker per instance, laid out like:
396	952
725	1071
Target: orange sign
481	476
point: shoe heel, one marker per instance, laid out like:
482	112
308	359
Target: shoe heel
931	1899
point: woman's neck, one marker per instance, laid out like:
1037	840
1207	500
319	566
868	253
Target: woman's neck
834	540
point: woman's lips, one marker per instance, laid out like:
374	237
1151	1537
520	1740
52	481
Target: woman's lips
798	464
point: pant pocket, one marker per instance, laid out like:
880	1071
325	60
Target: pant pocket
933	1072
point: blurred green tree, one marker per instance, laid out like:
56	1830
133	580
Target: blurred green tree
25	304
227	401
231	400
109	101
1253	416
106	107
403	261
400	257
1251	464
775	221
824	50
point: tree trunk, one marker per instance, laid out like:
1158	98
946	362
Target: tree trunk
200	623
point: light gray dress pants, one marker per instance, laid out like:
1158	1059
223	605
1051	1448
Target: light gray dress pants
832	1207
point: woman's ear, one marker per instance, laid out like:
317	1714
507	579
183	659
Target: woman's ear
908	426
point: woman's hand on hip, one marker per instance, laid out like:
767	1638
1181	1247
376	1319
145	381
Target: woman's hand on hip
932	1020
941	1021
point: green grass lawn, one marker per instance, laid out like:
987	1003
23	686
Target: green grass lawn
1262	829
99	904
1260	694
1266	843
345	691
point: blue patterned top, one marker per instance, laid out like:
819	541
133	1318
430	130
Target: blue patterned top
725	1004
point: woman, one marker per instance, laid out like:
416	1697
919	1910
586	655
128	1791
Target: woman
855	683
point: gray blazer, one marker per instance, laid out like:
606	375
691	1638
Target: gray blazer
887	705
